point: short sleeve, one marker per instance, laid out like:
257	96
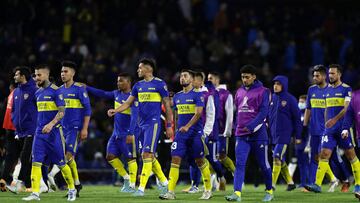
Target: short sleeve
163	89
134	91
59	98
199	100
308	100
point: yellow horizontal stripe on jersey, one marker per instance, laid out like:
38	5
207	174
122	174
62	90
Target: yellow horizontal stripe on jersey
317	103
73	103
186	108
335	101
149	97
46	106
127	111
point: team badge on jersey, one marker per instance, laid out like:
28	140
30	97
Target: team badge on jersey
26	96
283	103
165	88
61	97
85	94
202	99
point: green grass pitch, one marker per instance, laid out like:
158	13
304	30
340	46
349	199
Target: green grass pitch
109	194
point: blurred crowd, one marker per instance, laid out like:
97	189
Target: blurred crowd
108	37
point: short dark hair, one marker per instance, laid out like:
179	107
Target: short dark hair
191	73
199	74
337	66
43	66
248	69
149	61
303	96
24	71
214	73
69	64
319	68
125	75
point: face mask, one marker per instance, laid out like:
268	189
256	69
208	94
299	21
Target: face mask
302	106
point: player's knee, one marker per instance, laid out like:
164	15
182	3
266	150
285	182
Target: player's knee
110	157
350	154
222	157
325	154
176	160
147	155
277	161
199	162
68	156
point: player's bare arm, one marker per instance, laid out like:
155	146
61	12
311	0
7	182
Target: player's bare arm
123	107
60	114
193	120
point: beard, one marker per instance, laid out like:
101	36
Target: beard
332	82
185	84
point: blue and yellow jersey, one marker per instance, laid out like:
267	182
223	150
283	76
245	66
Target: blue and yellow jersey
77	105
125	122
185	104
149	94
316	103
47	100
335	101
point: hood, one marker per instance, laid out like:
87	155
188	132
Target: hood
257	83
209	85
29	84
283	81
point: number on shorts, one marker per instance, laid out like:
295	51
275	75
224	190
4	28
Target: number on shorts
173	145
325	138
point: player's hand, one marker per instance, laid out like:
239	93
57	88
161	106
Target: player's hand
184	129
246	129
345	134
129	139
47	128
298	141
83	134
330	123
169	132
111	112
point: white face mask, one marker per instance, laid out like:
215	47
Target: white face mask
302	106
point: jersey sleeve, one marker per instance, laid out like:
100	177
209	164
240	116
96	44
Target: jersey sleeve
163	89
308	100
174	102
100	93
85	101
348	94
59	98
134	91
134	117
199	100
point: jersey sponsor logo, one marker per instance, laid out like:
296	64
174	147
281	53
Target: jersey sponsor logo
338	94
317	103
151	88
244	107
186	108
73	104
46	106
149	97
127	111
26	96
335	102
71	95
